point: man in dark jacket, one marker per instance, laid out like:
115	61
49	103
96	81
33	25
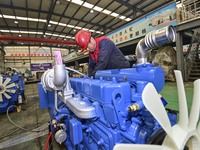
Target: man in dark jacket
103	53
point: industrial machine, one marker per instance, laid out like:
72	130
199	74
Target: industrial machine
11	89
114	109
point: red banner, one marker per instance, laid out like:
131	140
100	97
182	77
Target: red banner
31	55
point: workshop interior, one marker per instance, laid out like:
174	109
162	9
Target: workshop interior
49	101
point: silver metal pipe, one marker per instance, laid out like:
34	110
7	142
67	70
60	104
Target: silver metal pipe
59	76
56	101
154	39
141	52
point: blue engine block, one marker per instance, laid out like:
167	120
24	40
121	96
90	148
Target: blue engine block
11	91
106	110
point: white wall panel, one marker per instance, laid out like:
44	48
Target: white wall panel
20	58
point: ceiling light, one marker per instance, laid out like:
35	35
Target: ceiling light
14	31
33	19
22	43
39	20
88	5
62	24
74	30
68	37
85	29
79	2
71	26
55	34
92	30
106	11
128	19
97	8
114	14
77	27
61	35
122	17
53	22
91	11
20	35
25	32
5	31
42	20
9	17
16	22
21	18
49	34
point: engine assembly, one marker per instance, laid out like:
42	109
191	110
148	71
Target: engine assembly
11	89
107	110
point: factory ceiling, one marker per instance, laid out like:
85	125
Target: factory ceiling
61	19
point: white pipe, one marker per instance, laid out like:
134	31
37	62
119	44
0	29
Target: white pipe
56	101
76	71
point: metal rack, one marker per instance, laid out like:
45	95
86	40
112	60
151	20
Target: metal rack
188	18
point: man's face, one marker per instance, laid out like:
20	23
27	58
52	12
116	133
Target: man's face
92	45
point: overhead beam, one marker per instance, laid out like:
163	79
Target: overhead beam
63	12
188	25
6	23
55	14
105	25
65	47
30	29
39	11
36	40
53	4
44	45
131	7
73	16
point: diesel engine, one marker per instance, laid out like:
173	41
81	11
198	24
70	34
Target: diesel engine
101	111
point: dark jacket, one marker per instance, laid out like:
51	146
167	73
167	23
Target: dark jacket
108	56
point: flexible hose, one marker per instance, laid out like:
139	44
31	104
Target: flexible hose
20	127
12	131
76	72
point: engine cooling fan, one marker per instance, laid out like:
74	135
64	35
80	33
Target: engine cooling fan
185	135
7	87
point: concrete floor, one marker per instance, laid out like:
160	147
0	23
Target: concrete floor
171	95
32	116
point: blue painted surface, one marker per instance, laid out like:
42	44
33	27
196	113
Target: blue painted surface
17	80
143	72
111	93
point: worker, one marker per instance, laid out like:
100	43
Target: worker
103	53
